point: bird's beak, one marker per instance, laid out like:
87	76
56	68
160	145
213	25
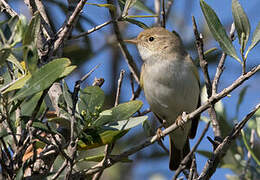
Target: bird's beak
131	41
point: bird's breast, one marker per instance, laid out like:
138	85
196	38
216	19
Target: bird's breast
170	88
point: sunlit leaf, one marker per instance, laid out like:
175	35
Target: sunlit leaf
136	22
249	148
218	30
118	113
65	123
18	84
90	101
99	158
43	78
33	30
127	124
109	6
241	22
96	139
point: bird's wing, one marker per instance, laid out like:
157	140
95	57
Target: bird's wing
195	120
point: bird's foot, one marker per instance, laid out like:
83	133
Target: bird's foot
180	120
159	134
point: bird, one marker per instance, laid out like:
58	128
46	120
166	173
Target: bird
171	85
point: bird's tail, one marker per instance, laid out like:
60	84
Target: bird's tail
177	155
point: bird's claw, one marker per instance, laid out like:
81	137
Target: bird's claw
159	134
180	120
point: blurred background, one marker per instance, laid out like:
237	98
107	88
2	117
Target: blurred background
100	47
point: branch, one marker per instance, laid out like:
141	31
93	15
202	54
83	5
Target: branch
219	153
5	7
220	67
204	67
91	30
64	32
129	59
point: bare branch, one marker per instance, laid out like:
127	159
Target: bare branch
204	67
119	85
129	59
91	30
5	7
212	163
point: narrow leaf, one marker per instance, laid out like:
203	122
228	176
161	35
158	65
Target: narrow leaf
127	124
32	31
43	78
136	22
241	22
218	30
256	37
118	113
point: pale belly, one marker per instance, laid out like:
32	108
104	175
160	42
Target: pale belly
171	90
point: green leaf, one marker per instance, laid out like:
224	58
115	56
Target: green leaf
43	78
109	6
91	100
256	37
27	107
67	71
241	22
32	31
118	113
65	123
18	84
127	124
128	5
218	30
249	148
138	4
43	127
94	138
31	58
258	122
136	22
19	30
11	58
99	158
241	97
67	95
19	174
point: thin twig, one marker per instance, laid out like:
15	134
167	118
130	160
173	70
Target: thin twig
91	30
129	59
5	7
204	67
119	85
188	156
163	23
157	9
168	9
220	67
57	174
64	32
212	163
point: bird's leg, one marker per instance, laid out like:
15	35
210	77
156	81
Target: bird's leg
180	120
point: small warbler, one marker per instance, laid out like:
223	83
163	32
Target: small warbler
170	82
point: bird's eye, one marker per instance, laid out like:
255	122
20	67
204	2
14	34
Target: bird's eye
151	39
